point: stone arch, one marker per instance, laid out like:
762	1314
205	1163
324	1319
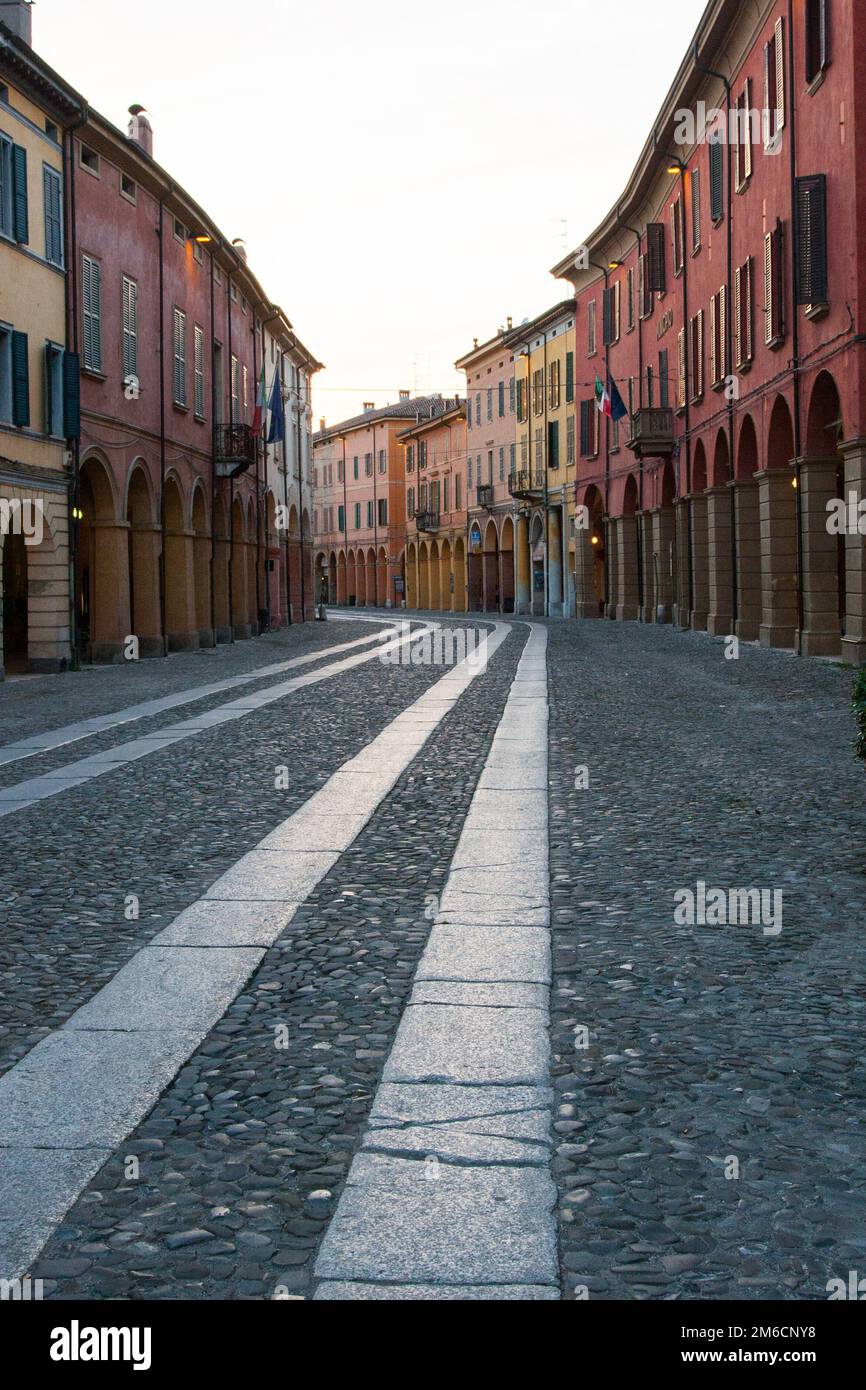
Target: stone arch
180	625
780	436
778	516
411	575
201	563
101	564
251	566
342	568
721	460
699	468
221	559
824	424
423	576
825	550
143	546
490	568
747	449
506	564
237	568
446	590
352	578
460	575
630	496
435	586
382	592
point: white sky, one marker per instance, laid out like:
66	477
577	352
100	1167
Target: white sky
404	174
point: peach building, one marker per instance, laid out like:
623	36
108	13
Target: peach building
490	445
436	510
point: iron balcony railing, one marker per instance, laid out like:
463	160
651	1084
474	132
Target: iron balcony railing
485	494
234	449
526	482
652	431
427	521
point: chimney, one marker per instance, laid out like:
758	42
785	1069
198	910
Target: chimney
509	322
15	14
140	130
368	405
241	247
404	395
322	423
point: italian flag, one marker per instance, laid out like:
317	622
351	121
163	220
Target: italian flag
602	398
259	412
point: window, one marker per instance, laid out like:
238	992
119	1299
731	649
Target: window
234	389
521	400
410	502
469	472
410	457
645	299
629	311
340	471
677	235
199	371
539	449
370	511
774	84
52	188
51	131
588	428
719	338
179	230
717	180
681	370
357	516
590	329
810	207
422	453
538	391
14	377
457	492
489	467
502	464
553	382
654	270
197	253
368	465
341	517
129	328
91	297
569	377
490	402
13	191
179	344
383	511
89	160
355	474
478	409
246	379
5	371
129	190
743	348
569	441
696	210
774	287
54	390
383	461
696	333
743	138
511	396
501	399
610	314
553	444
650	387
817	38
664	383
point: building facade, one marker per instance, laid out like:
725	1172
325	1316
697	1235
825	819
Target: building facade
434	452
38	376
723	296
491	453
359	507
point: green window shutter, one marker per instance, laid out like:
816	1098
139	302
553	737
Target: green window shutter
48	392
569	376
53	202
553	444
22	229
71	395
20	380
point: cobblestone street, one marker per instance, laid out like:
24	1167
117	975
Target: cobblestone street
364	978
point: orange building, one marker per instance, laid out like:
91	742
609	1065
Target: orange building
436	509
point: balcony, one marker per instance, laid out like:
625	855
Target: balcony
234	449
427	521
527	482
652	432
485	495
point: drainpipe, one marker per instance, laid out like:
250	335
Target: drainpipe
298	435
258	481
640	577
376	530
795	329
72	334
231	476
273	317
686	413
604	270
213	451
162	457
342	438
729	329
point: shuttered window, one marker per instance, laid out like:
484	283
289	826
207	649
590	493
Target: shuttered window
718	338
681	369
611	314
743	315
553	372
7	200
696	209
569	441
410	503
553	444
629	309
521	399
817	37
677	235
810	207
717	181
645	299
774	298
538	391
743	138
569	377
179	346
130	328
588	428
650	387
655	259
71	395
53	390
697	354
91	296
501	399
52	187
21	229
664	384
774	83
591	343
199	372
20	380
235	380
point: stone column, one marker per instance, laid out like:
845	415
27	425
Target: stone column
585	596
180	624
645	524
145	596
777	504
554	562
720	618
853	452
700	563
523	577
664	548
626	556
822	631
110	589
611	560
748	536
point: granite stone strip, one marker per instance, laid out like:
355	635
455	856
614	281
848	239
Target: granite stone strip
86	1086
451	1194
74	774
86	728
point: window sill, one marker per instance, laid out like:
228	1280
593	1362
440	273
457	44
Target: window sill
816	83
817	311
94	373
776	343
179	406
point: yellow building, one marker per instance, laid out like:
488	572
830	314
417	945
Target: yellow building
543	481
38	379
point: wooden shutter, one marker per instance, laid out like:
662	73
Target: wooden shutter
681	369
696	209
20	380
616	311
817	37
71	395
779	46
553	444
607	317
810	231
19	190
714	341
697	352
655	268
748	311
724	365
130	327
747	146
677	235
664	380
53	204
48	402
569	376
584	429
630	299
717	171
91	293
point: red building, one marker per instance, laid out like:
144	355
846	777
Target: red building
728	285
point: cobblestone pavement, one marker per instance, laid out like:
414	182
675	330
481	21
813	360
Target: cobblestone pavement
708	1051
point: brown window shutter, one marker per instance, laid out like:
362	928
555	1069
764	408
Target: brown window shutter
810	231
738	316
655	269
714	329
780	72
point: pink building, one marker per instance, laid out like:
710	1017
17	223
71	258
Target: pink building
490	444
436	497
